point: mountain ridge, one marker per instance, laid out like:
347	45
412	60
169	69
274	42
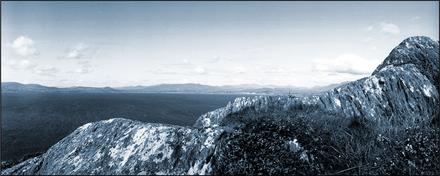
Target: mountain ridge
15	87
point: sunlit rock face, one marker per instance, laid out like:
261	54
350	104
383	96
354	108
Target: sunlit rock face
122	146
381	124
421	52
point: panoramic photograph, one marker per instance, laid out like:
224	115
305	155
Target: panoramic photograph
220	88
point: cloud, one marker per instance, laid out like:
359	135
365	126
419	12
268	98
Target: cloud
82	70
162	71
46	71
24	46
183	62
276	69
79	51
239	70
84	63
84	67
186	61
215	59
200	70
389	28
347	64
32	67
23	64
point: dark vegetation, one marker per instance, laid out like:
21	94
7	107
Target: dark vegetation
332	146
32	122
436	119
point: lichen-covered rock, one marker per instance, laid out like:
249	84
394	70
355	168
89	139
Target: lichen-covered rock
122	146
422	52
380	124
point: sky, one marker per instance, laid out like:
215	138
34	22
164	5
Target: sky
115	44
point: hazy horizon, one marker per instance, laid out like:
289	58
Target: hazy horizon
117	44
237	85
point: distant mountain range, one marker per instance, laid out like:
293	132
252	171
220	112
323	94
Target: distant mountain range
14	87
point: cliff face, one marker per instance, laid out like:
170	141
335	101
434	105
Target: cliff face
380	124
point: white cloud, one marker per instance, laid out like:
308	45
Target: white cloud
79	51
200	70
239	70
277	69
214	59
21	64
346	63
24	46
82	70
84	67
84	63
162	71
46	71
389	28
183	63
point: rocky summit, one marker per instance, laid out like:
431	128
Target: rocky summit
381	124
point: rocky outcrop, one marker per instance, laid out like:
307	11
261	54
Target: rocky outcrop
376	125
124	147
